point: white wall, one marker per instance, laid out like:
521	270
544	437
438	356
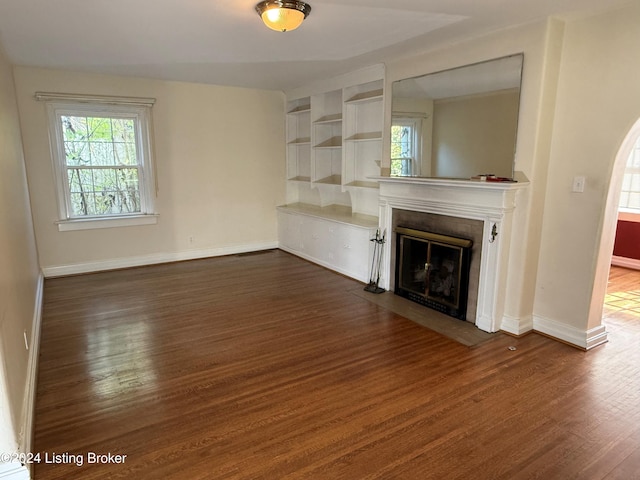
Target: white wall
219	163
19	272
598	101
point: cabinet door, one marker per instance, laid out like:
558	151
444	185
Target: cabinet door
353	251
289	231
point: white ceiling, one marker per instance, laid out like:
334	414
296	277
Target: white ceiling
224	42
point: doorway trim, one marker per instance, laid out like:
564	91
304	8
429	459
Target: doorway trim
608	227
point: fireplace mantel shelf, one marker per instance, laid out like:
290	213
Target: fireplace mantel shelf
521	182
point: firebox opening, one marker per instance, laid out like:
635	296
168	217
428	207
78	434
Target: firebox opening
433	270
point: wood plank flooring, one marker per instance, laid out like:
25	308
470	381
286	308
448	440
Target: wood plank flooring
266	367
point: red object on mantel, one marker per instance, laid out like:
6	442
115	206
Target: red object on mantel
492	178
500	179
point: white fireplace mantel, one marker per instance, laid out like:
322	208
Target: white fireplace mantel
494	203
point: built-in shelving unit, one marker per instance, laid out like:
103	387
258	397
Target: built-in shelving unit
334	151
299	140
335	139
363	110
326	138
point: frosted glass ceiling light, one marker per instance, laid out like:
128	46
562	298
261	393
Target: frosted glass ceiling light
283	15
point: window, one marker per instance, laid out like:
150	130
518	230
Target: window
102	160
405	146
630	194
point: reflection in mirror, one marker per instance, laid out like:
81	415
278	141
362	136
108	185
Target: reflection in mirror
458	123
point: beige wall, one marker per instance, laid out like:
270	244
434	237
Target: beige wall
219	163
475	134
19	272
598	101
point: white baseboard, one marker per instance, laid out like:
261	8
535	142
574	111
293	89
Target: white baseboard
625	262
326	265
14	471
117	263
516	326
580	338
25	438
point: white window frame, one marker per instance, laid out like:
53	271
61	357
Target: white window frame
632	168
138	109
415	158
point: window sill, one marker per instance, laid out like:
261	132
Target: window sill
111	222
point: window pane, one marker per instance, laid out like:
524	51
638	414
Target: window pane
123	130
76	153
104	191
104	180
74	128
125	153
80	180
78	204
129	191
624	199
101	154
99	129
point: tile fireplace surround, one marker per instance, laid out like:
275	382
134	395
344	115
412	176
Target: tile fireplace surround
493	203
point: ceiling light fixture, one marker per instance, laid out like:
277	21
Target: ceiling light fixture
283	15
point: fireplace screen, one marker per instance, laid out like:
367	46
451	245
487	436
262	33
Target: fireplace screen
433	270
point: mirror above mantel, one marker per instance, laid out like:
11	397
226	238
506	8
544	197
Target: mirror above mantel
457	123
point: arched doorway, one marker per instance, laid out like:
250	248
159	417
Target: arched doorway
608	227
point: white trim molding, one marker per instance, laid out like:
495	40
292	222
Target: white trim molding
585	339
103	99
111	222
516	326
128	262
29	402
14	471
625	262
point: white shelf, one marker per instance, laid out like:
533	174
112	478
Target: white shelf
365	97
364	137
363	184
331	180
329	119
333	142
300	109
300	179
300	141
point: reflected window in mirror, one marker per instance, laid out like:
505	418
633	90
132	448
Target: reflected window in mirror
405	146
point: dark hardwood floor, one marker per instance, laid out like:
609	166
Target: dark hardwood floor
266	367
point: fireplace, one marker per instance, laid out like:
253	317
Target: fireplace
433	270
482	212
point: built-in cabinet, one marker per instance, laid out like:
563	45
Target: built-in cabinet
334	151
329	236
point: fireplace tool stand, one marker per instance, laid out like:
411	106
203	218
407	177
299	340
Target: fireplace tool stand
374	278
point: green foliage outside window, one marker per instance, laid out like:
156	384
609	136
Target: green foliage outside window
102	165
